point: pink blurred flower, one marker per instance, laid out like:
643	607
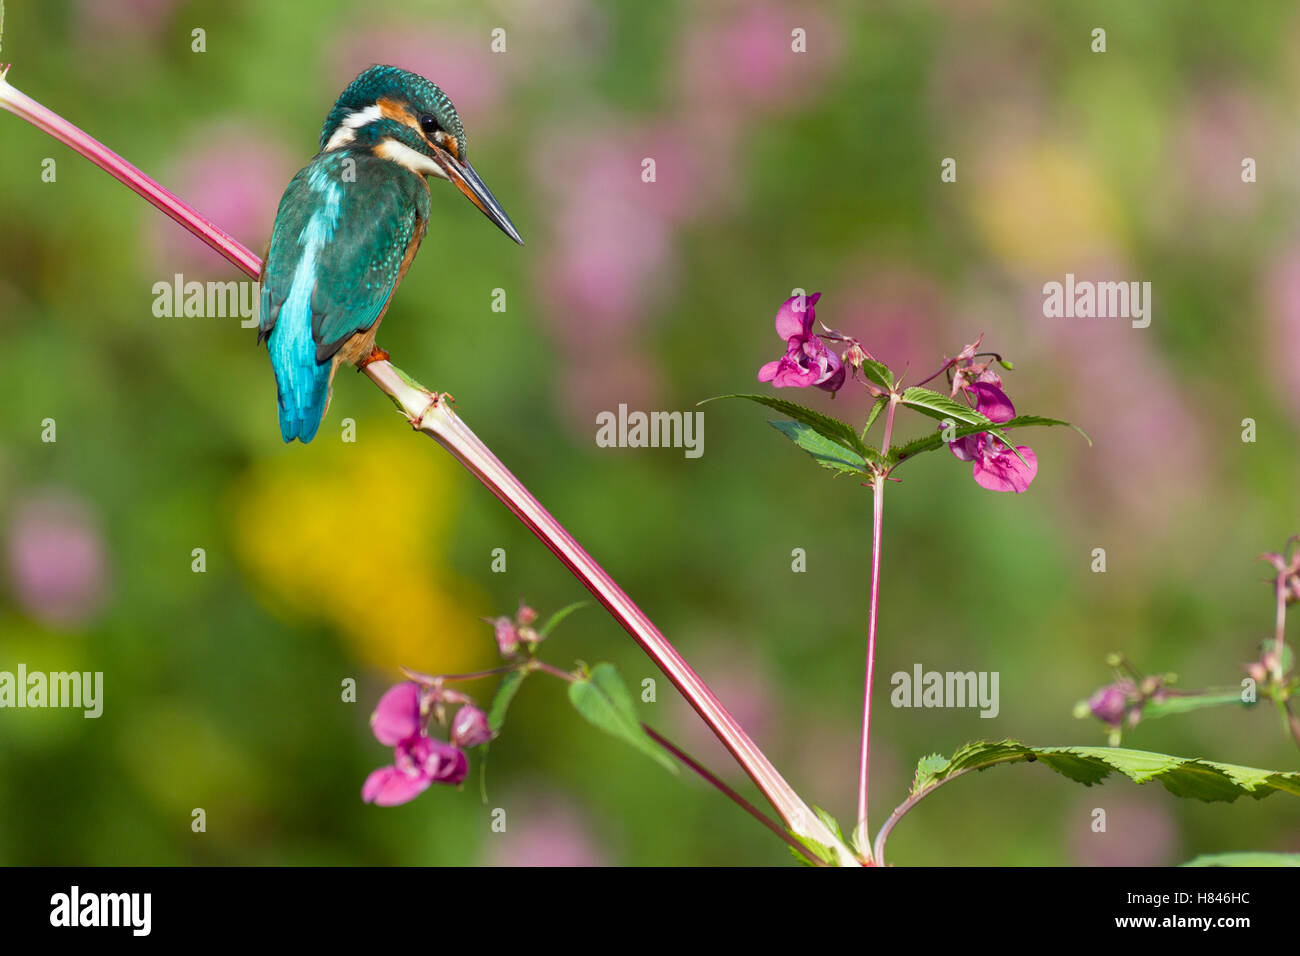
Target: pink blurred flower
233	177
1110	703
905	310
1140	830
98	22
1222	128
741	58
741	677
1142	419
56	560
611	254
1282	294
545	831
596	381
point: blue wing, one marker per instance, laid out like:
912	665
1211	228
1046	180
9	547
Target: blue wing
341	240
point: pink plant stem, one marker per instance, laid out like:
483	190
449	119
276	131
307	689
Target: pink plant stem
730	794
877	536
435	417
1280	625
44	119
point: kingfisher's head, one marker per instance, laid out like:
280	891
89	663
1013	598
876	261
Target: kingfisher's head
402	117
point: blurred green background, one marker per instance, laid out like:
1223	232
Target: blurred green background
774	170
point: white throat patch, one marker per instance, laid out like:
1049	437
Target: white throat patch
352	122
403	155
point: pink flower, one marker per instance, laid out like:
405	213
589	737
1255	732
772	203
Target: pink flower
996	467
232	175
56	560
418	759
807	360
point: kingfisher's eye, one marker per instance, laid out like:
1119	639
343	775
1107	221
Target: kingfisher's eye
429	123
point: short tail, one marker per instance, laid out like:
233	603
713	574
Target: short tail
301	409
303	387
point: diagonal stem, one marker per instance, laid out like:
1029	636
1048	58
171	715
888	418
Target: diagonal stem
434	417
730	794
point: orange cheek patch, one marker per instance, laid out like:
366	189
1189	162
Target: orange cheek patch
393	110
452	145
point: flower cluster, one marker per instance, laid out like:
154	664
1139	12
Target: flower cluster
1121	702
401	721
810	362
405	712
516	635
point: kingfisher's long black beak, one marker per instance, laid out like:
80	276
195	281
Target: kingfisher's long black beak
476	191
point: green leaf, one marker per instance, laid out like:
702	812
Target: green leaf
559	616
827	453
1246	858
878	373
603	700
926	769
931	442
506	691
941	407
832	428
1182	704
876	409
831	823
1183	777
819	850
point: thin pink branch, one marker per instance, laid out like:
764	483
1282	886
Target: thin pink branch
873	612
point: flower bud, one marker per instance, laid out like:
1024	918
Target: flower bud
526	616
469	727
1108	704
507	636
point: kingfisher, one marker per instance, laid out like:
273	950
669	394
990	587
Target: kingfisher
349	225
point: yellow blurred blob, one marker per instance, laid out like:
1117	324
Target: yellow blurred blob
1045	209
351	534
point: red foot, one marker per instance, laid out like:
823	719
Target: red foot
376	355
